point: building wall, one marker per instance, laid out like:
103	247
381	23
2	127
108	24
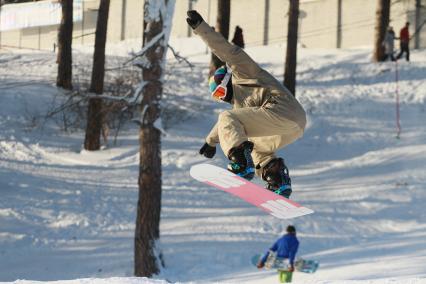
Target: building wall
115	20
207	8
277	19
11	38
263	22
358	23
252	20
318	24
133	19
84	31
48	36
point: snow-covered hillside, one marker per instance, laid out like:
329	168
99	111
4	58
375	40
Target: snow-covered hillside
69	214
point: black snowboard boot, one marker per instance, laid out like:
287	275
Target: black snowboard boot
241	161
275	173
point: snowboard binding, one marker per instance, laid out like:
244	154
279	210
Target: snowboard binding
275	173
241	161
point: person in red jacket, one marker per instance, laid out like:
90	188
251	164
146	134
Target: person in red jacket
404	40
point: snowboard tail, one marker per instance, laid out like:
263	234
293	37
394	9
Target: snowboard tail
307	266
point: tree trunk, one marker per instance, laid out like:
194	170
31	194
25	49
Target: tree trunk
64	59
382	22
417	24
291	54
339	24
94	114
266	23
222	26
147	230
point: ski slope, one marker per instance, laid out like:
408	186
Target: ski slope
68	214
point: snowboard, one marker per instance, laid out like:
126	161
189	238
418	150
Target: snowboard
301	265
270	202
306	265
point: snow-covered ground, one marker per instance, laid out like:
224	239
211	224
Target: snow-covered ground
69	214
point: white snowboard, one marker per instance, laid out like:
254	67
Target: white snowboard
274	204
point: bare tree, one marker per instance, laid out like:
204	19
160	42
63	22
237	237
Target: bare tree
94	114
64	59
222	26
291	53
382	22
157	19
339	24
418	14
266	22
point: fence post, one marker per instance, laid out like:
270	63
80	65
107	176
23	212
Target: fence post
398	124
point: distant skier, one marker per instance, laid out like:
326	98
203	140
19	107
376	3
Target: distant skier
238	38
265	115
388	44
285	248
404	42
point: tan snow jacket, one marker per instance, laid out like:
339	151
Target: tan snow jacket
254	88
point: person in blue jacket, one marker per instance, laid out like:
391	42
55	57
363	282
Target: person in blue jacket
285	248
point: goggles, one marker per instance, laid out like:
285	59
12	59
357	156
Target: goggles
220	91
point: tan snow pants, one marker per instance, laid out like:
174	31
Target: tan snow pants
267	130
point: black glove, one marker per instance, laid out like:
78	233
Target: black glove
194	19
208	151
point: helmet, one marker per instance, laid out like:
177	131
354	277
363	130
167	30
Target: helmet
219	83
217	78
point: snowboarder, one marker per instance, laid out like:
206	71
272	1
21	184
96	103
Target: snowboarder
388	44
404	42
265	115
285	248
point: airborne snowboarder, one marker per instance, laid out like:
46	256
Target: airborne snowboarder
265	115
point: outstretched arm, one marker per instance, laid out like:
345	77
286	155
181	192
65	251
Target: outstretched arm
241	64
